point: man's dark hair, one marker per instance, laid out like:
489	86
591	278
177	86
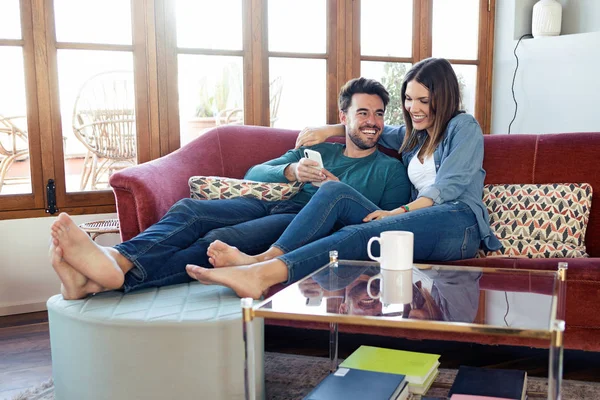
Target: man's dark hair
361	85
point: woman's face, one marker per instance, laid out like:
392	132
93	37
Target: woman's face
418	105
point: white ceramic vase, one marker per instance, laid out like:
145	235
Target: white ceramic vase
547	18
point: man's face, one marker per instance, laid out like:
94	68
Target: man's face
364	120
358	302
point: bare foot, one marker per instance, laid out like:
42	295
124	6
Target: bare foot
74	285
84	255
220	254
244	280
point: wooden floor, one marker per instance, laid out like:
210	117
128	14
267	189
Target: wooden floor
25	359
24	352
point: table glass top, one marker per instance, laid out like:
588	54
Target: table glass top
452	298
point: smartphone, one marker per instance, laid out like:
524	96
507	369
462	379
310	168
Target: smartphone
315	156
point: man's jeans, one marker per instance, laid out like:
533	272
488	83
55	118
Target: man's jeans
161	253
442	232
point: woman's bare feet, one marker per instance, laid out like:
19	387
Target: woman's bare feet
84	255
74	285
220	254
246	280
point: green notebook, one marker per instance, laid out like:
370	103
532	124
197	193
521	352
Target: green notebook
416	366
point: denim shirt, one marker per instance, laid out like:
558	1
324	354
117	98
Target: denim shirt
459	168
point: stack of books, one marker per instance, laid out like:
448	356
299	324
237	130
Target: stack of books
356	384
472	383
420	369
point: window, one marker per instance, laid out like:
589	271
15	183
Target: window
210	61
80	102
15	126
297	63
434	31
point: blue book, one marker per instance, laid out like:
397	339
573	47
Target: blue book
502	383
356	384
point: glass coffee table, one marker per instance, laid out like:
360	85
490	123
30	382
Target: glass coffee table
444	298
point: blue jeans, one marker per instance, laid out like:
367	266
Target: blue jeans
182	236
442	232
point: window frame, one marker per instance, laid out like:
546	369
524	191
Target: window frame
155	52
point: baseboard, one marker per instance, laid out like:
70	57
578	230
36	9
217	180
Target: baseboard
22	308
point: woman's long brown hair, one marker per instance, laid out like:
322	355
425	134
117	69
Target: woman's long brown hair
437	75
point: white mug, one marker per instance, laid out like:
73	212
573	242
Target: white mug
396	250
395	288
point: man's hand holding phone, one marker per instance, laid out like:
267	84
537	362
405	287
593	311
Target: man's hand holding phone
317	165
310	168
307	170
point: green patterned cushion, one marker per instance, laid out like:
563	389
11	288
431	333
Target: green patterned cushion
215	187
535	221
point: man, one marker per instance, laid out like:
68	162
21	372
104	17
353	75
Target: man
159	255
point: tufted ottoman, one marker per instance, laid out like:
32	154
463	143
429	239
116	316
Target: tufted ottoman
175	342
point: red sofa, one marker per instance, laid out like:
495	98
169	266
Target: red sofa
145	192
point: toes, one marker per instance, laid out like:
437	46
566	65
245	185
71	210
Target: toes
57	257
197	273
194	268
191	270
63	219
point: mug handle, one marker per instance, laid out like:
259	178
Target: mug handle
371	279
373	239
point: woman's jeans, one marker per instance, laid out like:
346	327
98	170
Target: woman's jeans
442	232
161	253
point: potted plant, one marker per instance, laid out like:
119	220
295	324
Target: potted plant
212	100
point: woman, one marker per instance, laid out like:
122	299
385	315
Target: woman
442	148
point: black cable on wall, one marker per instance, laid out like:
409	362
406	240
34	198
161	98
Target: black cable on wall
513	80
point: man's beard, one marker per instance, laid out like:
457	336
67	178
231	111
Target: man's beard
359	142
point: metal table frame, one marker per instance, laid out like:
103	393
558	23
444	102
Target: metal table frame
555	333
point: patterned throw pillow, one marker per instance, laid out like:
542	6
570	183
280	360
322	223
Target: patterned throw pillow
538	221
215	187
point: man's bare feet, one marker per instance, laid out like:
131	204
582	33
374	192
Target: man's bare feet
84	255
74	285
242	279
220	254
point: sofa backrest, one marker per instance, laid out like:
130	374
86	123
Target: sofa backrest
241	147
549	158
509	159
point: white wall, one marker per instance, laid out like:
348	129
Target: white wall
27	279
557	82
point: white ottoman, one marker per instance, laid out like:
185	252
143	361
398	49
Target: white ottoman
175	342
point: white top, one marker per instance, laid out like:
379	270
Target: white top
421	175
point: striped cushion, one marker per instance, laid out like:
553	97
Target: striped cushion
536	221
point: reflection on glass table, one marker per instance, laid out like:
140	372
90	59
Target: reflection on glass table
439	293
444	298
434	294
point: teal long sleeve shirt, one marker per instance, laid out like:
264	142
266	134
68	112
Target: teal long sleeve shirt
380	178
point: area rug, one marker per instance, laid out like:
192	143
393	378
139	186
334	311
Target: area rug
291	377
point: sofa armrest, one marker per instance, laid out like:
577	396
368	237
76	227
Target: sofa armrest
145	192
